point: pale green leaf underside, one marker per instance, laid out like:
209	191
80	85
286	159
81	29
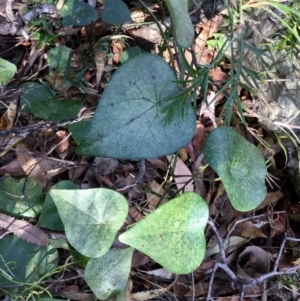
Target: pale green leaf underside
91	217
240	166
108	274
173	235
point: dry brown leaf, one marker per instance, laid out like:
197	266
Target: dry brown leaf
13	168
11	141
183	154
254	258
135	214
62	142
218	75
232	298
105	166
250	231
8	118
271	198
24	230
199	137
183	174
71	293
278	224
31	166
100	57
208	108
153	199
152	294
117	51
138	15
139	259
181	287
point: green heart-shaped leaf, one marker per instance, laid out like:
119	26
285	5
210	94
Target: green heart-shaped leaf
173	234
115	12
7	71
91	217
240	165
130	121
108	275
22	262
75	12
50	218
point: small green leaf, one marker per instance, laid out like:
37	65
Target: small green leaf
56	110
78	257
108	275
240	165
21	261
91	217
173	234
50	218
130	53
34	92
7	71
132	113
20	199
75	12
183	27
58	58
115	12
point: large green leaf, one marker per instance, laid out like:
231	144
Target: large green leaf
91	217
183	27
75	12
20	199
173	234
24	262
50	218
56	110
130	120
7	71
115	12
240	166
34	92
108	275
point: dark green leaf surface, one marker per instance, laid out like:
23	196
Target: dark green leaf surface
108	275
75	12
240	166
56	110
50	218
24	262
58	58
91	217
34	92
115	12
130	120
173	234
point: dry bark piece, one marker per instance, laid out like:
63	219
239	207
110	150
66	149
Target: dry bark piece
24	230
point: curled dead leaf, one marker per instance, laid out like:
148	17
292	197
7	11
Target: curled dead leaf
8	118
31	166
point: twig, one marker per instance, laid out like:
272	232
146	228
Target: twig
20	22
233	277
